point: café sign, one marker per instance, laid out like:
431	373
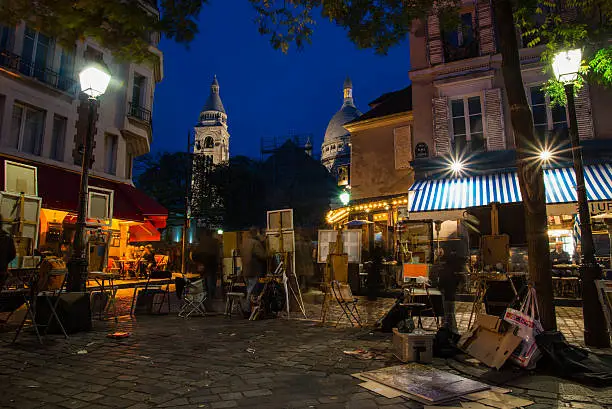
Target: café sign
600	207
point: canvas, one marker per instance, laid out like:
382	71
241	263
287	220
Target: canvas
425	384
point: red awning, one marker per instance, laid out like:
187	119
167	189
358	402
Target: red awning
144	232
59	190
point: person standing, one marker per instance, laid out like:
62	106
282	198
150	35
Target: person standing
254	262
449	279
7	254
207	256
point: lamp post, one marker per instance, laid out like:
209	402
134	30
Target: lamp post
94	79
565	66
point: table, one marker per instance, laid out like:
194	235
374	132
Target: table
109	289
127	265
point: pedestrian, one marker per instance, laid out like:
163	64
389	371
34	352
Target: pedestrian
207	256
7	253
449	279
254	262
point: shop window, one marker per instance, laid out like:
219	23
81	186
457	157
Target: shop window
58	137
461	43
110	154
27	129
466	122
20	178
546	119
100	204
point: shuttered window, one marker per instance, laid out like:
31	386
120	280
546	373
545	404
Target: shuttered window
466	122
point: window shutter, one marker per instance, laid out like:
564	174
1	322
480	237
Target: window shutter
403	147
440	126
494	117
583	113
434	40
486	32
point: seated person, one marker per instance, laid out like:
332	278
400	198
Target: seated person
148	260
559	256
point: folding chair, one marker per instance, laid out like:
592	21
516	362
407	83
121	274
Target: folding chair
194	296
344	297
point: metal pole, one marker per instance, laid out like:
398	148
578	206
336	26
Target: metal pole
78	265
186	217
595	329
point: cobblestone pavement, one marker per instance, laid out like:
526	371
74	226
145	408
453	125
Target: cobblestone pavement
215	362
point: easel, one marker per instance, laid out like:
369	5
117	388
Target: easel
335	258
281	270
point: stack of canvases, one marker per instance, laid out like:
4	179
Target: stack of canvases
431	386
493	341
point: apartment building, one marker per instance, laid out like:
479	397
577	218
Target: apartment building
39	148
462	121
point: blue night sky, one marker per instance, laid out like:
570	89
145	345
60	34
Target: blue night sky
266	93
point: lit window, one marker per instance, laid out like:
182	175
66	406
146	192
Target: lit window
466	121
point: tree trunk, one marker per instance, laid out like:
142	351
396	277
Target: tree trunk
529	168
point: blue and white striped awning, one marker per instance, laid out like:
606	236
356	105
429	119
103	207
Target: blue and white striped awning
482	190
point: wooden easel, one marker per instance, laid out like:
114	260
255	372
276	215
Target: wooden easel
336	259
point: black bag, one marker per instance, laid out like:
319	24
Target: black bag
567	361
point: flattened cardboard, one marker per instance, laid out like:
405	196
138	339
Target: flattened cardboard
490	322
491	348
380	389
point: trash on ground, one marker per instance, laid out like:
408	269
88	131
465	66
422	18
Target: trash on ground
118	335
81	352
360	354
488	342
251	350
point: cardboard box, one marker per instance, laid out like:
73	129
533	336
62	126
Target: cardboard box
485	343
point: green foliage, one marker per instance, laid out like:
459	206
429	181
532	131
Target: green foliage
581	24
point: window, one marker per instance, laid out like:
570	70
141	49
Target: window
58	137
343	175
27	129
110	154
138	90
100	206
466	119
461	43
66	71
37	55
7	38
208	143
129	165
545	117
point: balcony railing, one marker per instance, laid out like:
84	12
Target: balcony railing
31	69
138	112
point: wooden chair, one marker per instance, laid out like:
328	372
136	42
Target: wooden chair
344	297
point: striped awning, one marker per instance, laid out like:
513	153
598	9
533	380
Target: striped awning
481	190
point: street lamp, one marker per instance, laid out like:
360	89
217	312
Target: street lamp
345	197
545	155
456	166
94	79
566	65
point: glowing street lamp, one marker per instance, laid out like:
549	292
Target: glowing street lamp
566	65
545	155
94	79
345	197
220	232
456	166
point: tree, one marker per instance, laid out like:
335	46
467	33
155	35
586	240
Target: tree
164	177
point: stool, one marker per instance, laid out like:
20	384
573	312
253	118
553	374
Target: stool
412	308
231	299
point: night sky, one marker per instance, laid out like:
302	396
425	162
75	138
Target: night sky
266	93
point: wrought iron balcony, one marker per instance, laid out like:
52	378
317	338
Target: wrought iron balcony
138	112
31	69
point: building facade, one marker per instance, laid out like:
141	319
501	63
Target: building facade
336	147
462	121
42	123
381	152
